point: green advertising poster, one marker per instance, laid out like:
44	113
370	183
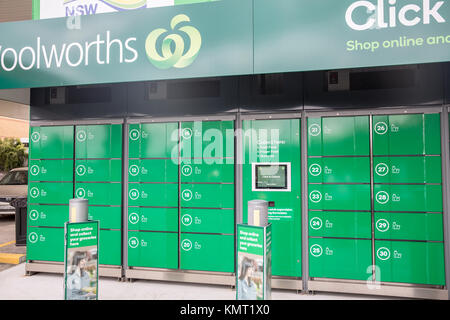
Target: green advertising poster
81	261
253	281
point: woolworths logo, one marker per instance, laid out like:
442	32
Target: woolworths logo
173	45
178	49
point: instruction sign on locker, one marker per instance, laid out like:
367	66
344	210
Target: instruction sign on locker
271	171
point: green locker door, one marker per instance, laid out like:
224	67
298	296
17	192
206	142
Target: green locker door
409	198
108	194
89	170
409	226
51	142
153	140
45	244
418	169
47	215
338	136
207	221
276	141
50	192
153	194
109	217
110	244
340	224
207	140
207	252
340	258
153	170
50	170
413	134
339	197
98	141
207	195
153	249
339	170
410	262
207	171
153	219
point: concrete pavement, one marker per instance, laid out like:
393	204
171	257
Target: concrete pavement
15	285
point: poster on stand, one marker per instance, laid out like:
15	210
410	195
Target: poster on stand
81	261
253	281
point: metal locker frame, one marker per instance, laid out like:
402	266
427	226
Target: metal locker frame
278	282
36	266
388	288
178	275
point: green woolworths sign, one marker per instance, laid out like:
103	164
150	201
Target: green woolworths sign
220	38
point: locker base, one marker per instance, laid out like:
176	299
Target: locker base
383	289
227	279
33	267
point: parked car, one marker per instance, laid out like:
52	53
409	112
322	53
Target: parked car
13	185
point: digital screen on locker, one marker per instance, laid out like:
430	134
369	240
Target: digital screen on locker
273	176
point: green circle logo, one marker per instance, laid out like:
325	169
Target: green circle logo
173	45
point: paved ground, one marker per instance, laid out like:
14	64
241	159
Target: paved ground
7	238
14	285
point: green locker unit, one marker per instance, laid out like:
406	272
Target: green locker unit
98	178
207	252
153	249
410	262
153	195
339	197
51	142
47	215
272	172
45	244
207	196
408	200
50	187
340	258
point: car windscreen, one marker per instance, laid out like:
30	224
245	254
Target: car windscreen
15	178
